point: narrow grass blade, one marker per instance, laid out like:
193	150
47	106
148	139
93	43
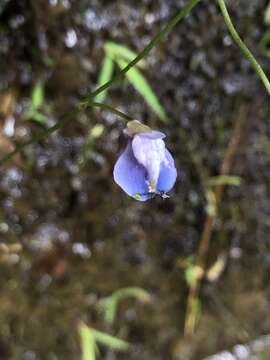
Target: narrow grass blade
111	341
265	41
88	345
38	117
37	95
140	83
115	50
112	302
224	180
104	76
267	15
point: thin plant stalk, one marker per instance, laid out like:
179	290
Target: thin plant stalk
88	101
245	50
190	320
112	110
88	343
156	39
225	170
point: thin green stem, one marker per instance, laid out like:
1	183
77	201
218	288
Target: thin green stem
112	110
43	134
257	67
88	101
88	342
156	39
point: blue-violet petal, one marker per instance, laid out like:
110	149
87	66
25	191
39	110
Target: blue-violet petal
131	176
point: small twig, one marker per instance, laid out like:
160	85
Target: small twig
208	227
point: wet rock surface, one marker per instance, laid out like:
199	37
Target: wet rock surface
259	349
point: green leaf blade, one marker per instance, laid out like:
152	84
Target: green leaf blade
104	76
112	302
139	82
267	15
225	180
115	51
110	341
87	342
37	95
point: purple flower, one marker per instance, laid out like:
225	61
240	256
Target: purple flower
146	167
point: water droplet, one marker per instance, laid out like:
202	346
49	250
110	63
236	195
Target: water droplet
8	128
71	38
81	250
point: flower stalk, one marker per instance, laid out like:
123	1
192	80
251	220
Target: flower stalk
245	50
156	39
88	101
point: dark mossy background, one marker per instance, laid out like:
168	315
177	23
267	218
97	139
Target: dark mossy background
82	237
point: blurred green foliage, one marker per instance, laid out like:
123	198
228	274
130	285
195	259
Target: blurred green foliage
264	43
267	14
104	76
37	99
220	180
91	338
190	271
111	303
116	54
87	151
224	180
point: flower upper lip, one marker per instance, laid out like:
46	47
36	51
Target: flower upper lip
150	153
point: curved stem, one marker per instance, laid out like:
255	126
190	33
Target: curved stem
156	39
88	101
257	67
113	110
